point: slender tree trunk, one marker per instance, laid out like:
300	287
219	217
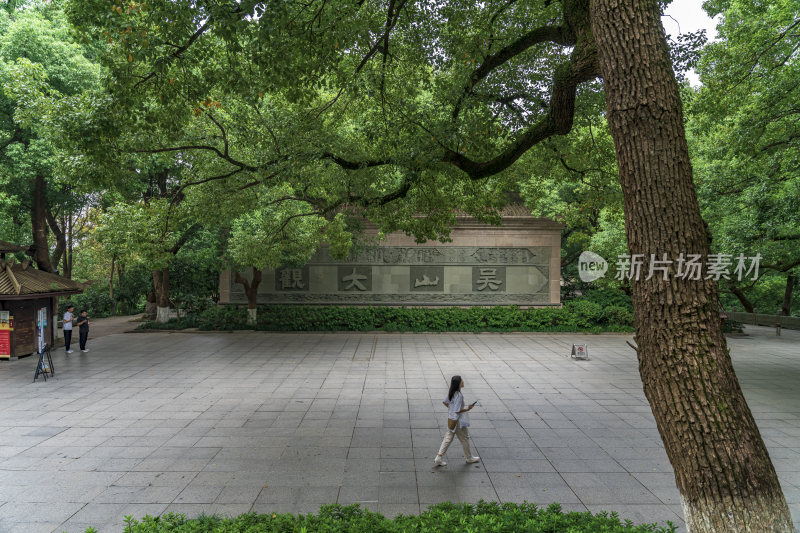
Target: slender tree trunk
787	296
68	254
111	288
124	309
61	241
152	302
746	303
41	253
251	291
161	284
723	471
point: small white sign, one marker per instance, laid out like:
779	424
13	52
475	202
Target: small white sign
580	351
41	324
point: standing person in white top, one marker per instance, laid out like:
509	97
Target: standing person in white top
457	422
67	325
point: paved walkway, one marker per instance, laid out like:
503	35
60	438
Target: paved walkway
230	423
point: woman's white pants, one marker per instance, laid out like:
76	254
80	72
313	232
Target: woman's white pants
463	435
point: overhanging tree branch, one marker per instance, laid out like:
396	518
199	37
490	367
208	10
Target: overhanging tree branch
205	147
554	34
557	121
183	238
355	165
382	41
179	50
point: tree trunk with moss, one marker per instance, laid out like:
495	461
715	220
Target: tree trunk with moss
723	471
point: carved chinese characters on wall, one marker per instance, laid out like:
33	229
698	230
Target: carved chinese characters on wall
489	279
292	279
426	279
355	278
407	275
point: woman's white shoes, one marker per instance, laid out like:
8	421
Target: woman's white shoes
439	461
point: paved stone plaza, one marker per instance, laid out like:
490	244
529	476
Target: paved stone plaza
231	423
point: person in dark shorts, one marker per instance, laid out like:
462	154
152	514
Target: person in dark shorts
83	330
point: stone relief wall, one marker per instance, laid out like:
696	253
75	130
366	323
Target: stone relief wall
432	274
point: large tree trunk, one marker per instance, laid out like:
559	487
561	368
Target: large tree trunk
251	290
787	296
41	252
723	471
161	284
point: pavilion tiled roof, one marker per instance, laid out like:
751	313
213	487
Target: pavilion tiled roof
21	279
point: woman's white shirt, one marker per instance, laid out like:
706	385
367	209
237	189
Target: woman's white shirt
455	405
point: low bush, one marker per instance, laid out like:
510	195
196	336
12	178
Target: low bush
574	316
184	322
607	297
618	315
586	314
440	518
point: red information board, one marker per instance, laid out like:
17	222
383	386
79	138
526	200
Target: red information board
5	343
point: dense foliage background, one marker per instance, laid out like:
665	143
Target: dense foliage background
101	175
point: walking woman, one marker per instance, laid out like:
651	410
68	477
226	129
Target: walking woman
457	422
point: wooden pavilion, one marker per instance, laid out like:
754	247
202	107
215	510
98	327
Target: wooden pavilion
24	291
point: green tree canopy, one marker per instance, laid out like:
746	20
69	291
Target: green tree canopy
41	66
746	134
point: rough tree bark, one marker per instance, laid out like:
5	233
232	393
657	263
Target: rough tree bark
787	295
161	284
41	251
723	471
251	290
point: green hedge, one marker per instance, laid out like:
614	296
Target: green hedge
577	315
442	518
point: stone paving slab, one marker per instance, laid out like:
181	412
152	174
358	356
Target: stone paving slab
231	423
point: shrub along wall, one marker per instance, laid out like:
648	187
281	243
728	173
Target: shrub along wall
577	315
442	518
